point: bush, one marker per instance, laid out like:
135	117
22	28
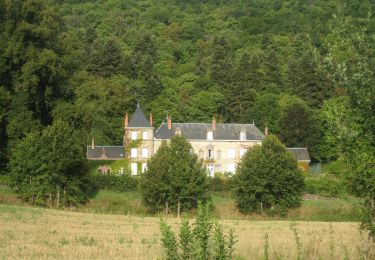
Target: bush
120	183
4	179
220	182
325	185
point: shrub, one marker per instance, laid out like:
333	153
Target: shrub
325	185
120	183
220	182
268	179
205	240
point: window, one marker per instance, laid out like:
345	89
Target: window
210	154
243	136
134	168
242	151
133	153
231	153
231	167
210	135
134	135
144	153
145	135
144	167
211	170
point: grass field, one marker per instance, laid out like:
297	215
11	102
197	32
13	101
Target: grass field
35	233
129	203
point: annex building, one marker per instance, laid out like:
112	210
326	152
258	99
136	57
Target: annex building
219	145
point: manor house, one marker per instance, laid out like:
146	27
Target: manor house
219	145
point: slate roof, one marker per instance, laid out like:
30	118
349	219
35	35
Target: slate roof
198	131
105	153
138	119
301	154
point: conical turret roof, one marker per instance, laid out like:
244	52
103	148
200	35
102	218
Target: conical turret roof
138	119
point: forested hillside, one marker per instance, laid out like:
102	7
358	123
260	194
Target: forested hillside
302	68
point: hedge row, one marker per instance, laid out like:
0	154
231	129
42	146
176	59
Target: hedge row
326	185
114	182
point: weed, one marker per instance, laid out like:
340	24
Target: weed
266	247
86	241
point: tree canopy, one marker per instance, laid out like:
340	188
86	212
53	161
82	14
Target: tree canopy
174	175
268	180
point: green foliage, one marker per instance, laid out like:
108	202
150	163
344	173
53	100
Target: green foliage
174	174
120	183
203	240
300	128
268	179
326	185
220	182
49	168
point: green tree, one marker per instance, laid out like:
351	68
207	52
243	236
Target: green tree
239	105
106	59
307	81
300	128
49	168
266	112
340	128
268	179
174	175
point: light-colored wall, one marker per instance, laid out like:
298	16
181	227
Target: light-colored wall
221	164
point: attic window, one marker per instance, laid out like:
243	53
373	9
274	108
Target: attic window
243	136
210	135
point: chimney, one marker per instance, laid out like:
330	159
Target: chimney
126	120
266	131
213	124
169	122
92	143
151	119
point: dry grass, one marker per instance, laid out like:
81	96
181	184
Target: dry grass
34	233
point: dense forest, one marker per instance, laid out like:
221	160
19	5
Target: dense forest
302	68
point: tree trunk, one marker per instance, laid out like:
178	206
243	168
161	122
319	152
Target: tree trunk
178	209
261	207
58	197
166	208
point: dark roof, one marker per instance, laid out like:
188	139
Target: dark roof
301	154
105	153
138	119
199	131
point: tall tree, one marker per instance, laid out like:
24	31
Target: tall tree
34	65
106	59
307	81
239	105
300	128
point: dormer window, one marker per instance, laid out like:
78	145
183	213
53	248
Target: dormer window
243	136
210	135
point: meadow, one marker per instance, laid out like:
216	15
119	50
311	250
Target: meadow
36	233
